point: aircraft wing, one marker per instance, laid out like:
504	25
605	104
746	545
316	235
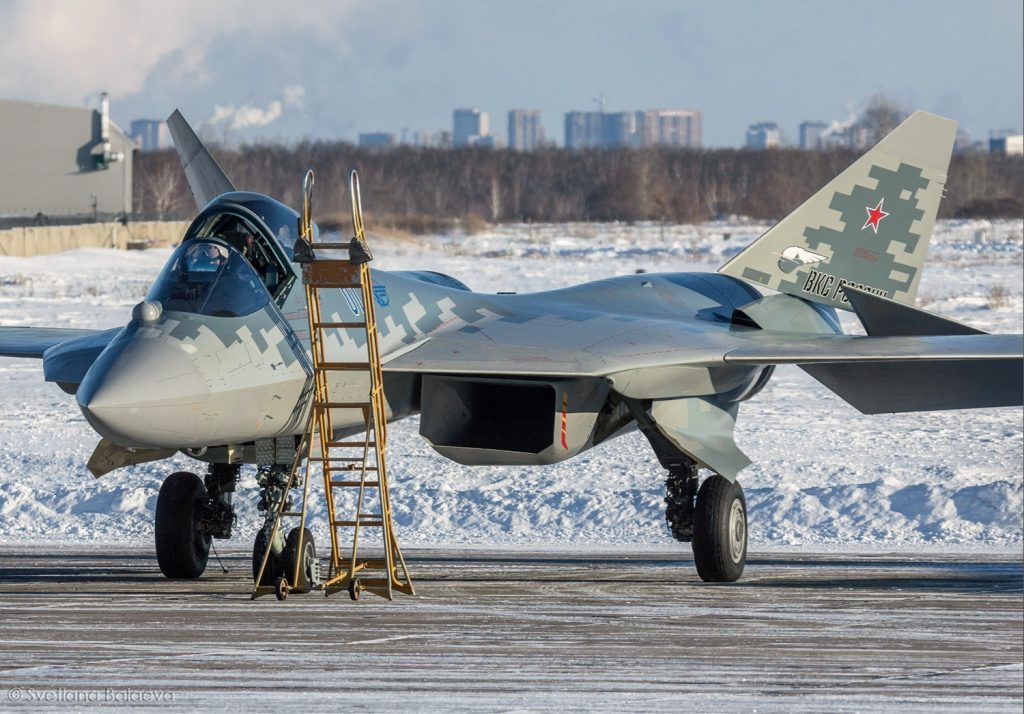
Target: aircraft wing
874	374
34	341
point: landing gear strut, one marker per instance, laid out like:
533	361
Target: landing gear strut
680	493
273	482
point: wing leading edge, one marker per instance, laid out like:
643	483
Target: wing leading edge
34	341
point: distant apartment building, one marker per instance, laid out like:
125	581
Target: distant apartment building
1007	142
150	134
764	135
669	127
582	130
811	133
651	127
525	132
469	126
377	140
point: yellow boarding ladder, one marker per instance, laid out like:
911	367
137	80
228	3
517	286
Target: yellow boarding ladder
349	463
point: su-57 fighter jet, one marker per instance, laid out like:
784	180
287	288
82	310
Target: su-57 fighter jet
214	363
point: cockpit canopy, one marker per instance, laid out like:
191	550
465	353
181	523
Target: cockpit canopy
234	259
206	277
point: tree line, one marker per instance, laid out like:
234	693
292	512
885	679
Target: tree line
431	189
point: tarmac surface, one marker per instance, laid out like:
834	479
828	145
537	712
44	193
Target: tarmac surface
518	630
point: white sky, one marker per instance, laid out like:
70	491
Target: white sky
331	69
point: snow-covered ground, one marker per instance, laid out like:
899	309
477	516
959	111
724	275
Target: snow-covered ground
823	474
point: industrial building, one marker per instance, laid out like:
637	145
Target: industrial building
63	162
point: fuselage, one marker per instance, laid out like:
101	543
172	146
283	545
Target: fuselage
218	354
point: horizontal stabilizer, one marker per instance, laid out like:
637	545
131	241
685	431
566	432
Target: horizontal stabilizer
883	317
905	374
205	177
925	385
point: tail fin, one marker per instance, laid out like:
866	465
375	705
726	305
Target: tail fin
869	227
205	177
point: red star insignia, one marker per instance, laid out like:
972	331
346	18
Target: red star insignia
875	216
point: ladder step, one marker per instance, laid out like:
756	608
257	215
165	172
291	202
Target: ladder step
339	325
351	444
350	467
344	405
360	523
327	283
342	366
291	513
353	484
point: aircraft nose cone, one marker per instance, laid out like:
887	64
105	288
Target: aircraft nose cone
143	392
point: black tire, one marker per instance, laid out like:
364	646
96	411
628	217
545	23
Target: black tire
274	569
181	547
304	583
720	531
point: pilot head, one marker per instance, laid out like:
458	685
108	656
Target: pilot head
206	257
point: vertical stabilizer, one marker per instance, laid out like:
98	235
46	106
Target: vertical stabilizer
869	227
205	177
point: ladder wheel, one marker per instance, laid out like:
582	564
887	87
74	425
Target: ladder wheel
354	590
281	588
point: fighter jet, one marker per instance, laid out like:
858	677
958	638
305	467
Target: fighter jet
214	363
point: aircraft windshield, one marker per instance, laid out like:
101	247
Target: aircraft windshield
207	278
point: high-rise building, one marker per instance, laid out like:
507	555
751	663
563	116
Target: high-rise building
150	134
582	130
669	127
617	129
764	135
376	140
525	132
811	133
469	126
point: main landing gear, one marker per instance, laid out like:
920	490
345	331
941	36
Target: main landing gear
712	519
190	512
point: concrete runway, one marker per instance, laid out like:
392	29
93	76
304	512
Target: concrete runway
519	630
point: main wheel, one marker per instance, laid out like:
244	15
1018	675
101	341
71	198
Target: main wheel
720	530
307	559
273	569
182	548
